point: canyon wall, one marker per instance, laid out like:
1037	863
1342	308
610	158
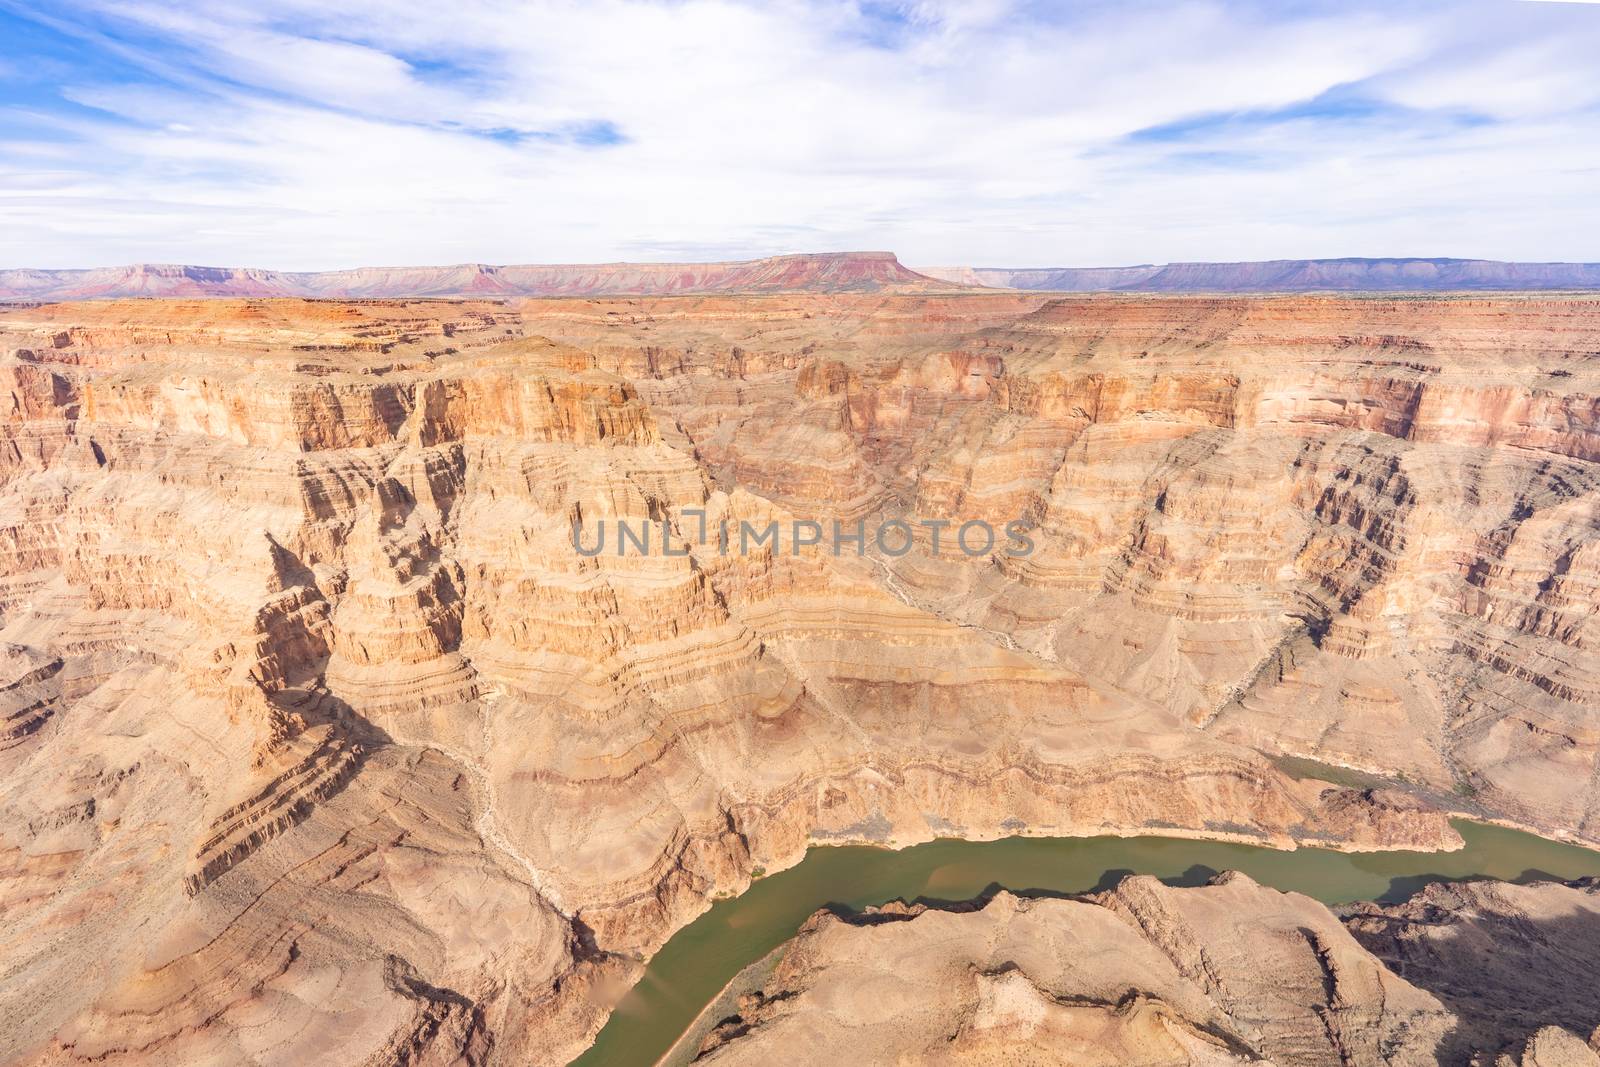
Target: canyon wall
319	736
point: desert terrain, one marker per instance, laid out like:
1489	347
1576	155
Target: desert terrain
1146	974
320	742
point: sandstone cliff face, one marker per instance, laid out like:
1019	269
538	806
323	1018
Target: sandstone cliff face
318	732
1146	975
1360	530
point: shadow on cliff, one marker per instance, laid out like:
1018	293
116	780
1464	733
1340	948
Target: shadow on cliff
1197	875
315	706
1504	976
1403	887
337	745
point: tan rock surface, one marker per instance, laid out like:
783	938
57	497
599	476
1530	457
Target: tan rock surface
1147	974
1510	960
315	723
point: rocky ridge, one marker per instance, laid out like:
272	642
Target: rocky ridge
1489	974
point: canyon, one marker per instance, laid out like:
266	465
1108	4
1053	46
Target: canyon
320	742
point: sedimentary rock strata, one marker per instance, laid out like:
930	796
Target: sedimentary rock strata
315	726
1361	530
1146	974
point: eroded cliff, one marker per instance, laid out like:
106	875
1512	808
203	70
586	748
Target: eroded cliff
319	733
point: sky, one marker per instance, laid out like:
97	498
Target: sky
303	135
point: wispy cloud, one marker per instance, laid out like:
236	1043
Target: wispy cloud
317	135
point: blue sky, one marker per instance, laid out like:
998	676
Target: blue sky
305	135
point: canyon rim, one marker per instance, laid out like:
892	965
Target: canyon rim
323	742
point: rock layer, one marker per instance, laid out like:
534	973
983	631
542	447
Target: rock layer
319	733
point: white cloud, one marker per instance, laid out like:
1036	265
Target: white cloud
325	136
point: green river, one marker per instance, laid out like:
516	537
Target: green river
694	966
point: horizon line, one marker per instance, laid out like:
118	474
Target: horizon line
823	254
